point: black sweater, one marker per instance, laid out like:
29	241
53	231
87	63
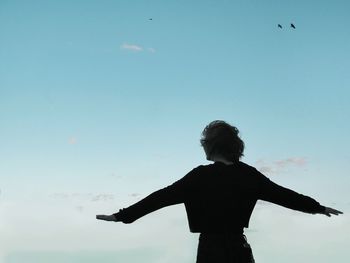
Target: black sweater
220	198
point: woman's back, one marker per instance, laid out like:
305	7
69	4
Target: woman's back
220	198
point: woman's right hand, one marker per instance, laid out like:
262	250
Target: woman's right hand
106	217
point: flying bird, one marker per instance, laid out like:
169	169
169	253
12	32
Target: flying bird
292	25
279	25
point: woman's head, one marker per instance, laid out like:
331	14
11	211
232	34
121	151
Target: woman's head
220	139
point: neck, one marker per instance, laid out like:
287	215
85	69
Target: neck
221	160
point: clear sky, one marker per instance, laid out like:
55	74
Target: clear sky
103	102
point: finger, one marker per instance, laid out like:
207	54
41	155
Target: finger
339	212
335	212
104	219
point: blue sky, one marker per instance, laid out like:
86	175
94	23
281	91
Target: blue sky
99	106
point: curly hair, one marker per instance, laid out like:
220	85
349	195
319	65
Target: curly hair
222	139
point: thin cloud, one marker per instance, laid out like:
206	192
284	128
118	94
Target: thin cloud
131	47
102	197
294	161
137	48
72	140
84	196
265	169
279	166
116	176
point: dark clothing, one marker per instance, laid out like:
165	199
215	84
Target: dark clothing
220	198
224	248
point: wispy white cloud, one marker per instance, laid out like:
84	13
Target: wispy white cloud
274	167
72	140
116	176
84	196
294	161
136	48
131	47
102	197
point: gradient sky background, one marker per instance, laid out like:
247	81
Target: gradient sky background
99	106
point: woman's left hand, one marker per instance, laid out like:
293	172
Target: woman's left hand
331	211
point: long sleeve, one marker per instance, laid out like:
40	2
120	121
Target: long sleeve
272	192
170	195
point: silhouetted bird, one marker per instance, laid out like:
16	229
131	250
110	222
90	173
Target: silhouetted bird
292	25
150	19
279	26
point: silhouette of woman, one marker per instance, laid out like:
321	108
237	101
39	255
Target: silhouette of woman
220	197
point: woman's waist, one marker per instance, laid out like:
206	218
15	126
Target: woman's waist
228	236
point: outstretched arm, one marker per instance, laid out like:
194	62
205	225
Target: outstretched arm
272	192
171	195
157	200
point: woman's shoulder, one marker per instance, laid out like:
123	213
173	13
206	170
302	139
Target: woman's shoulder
246	166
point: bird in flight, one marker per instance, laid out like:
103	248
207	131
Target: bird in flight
279	25
292	25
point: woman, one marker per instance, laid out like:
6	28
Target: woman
219	198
